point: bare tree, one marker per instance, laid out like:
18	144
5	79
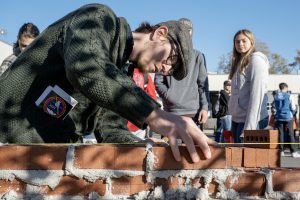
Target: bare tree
263	47
297	58
224	63
279	65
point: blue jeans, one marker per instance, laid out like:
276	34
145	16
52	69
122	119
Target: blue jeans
223	124
236	130
226	122
219	135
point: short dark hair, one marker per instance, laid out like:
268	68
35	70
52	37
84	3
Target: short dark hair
29	30
282	86
145	27
227	82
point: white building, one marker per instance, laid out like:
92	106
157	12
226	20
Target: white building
216	82
5	50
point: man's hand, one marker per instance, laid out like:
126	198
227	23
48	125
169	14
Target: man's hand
173	127
202	116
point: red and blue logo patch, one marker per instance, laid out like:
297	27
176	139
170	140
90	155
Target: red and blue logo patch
55	106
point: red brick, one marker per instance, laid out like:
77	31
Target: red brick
251	177
236	157
139	188
121	185
197	182
274	138
228	156
129	180
130	185
250	189
213	187
262	158
14	157
130	158
47	157
262	136
16	185
69	186
164	159
170	183
120	189
217	160
178	181
32	157
274	158
250	183
98	186
95	156
250	157
286	180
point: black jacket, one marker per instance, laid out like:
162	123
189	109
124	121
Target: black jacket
221	107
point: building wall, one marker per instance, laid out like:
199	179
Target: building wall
5	50
216	82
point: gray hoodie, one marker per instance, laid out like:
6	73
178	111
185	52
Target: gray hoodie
188	95
248	101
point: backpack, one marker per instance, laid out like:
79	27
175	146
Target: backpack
282	105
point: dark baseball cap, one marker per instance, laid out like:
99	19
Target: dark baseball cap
179	34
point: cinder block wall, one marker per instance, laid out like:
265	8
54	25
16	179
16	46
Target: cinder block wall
141	172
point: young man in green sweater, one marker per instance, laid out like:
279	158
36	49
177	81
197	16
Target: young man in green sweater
81	58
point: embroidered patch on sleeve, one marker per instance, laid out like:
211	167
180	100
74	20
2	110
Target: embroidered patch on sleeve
56	102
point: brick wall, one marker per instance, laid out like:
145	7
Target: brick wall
142	172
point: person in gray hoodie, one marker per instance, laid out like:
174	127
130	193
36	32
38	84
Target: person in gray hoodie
249	78
186	97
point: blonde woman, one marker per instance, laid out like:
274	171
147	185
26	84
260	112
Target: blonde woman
249	78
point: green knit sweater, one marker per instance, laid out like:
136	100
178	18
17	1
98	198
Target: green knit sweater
83	53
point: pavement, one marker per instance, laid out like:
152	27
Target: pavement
287	161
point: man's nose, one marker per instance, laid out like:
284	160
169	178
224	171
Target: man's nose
166	68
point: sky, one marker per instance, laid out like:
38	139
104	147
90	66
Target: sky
275	22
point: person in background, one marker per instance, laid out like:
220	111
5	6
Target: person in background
273	111
56	87
284	107
27	33
144	81
186	97
222	113
249	79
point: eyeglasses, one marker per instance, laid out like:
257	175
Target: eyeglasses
172	59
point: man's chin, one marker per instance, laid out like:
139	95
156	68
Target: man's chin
144	69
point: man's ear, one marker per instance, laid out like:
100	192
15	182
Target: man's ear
161	33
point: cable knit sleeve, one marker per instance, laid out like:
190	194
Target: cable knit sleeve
89	44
